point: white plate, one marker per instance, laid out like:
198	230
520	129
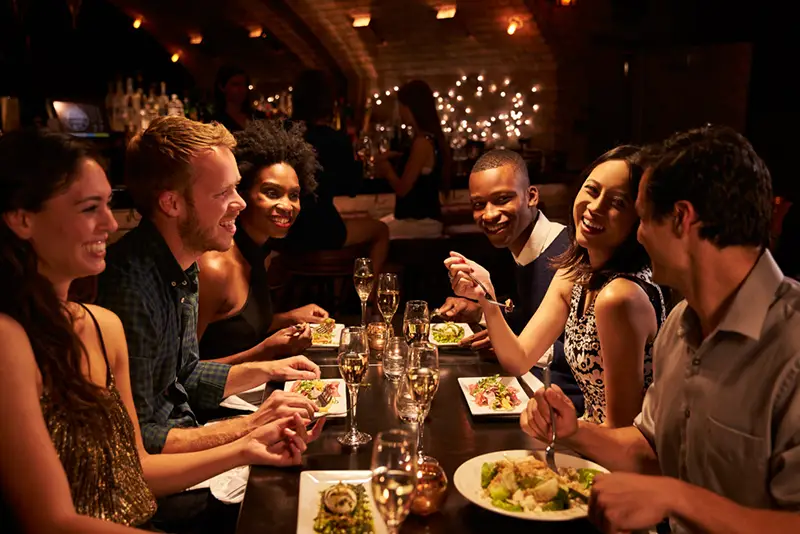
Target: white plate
339	409
467	480
334	344
467	332
314	482
465	383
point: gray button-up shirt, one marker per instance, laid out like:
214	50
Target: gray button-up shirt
723	412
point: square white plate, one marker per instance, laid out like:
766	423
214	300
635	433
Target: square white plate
314	482
464	384
339	408
334	344
467	332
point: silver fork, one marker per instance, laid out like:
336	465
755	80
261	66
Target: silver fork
324	398
508	308
550	451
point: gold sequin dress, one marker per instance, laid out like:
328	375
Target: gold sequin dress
104	473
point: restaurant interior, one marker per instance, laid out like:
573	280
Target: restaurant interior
558	82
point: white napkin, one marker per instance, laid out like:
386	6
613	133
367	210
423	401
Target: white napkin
543	360
227	487
237	403
532	382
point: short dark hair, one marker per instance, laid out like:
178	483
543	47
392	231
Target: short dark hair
630	257
500	158
264	143
715	169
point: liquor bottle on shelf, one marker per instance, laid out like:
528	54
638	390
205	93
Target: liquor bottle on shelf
163	100
175	107
118	109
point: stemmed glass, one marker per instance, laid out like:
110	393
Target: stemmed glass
422	373
364	279
394	470
353	365
416	321
388	298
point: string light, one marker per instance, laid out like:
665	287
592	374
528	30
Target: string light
480	78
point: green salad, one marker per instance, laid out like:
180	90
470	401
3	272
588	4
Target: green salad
447	333
344	509
528	485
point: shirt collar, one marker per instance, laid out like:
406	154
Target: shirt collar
165	260
543	234
749	307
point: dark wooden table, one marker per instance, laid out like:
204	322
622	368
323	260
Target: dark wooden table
451	435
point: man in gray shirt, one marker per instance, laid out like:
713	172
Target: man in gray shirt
717	445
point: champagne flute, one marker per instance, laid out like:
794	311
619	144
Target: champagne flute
353	365
364	279
388	298
416	321
422	373
394	478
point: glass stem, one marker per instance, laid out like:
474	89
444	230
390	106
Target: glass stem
420	429
353	390
363	313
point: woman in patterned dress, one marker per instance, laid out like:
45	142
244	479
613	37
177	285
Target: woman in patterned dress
602	297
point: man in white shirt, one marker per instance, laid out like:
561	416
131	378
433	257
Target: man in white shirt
505	208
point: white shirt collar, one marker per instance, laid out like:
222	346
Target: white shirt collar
543	234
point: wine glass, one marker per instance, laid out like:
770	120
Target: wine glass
353	365
394	480
416	321
394	357
388	298
364	279
422	373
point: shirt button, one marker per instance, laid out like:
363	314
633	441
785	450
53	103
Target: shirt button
696	361
183	283
687	413
183	300
174	284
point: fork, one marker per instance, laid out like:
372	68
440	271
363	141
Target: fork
508	308
324	398
325	328
550	451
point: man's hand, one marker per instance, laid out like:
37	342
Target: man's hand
283	404
280	443
310	313
535	420
477	341
458	309
294	368
462	271
287	342
623	502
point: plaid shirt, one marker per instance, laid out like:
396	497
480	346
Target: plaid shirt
157	303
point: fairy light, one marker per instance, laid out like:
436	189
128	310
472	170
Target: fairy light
137	23
378	102
458	83
436	95
388	93
480	78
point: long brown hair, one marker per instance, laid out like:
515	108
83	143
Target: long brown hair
34	167
630	257
418	97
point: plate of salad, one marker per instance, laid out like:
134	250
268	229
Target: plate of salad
519	484
449	334
493	395
312	390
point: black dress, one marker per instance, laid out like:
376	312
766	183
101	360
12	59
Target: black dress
319	225
422	202
251	325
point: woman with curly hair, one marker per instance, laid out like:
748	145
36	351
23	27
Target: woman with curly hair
277	167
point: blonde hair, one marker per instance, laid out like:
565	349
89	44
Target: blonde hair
160	158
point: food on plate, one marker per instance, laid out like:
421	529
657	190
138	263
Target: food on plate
344	509
492	393
323	334
312	389
447	333
528	485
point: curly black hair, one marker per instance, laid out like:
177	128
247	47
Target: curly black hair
268	142
716	169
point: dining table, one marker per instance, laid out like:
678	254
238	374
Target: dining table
451	434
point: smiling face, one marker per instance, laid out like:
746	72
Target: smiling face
71	231
274	200
604	212
503	204
212	204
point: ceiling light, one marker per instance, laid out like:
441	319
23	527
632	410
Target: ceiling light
195	38
361	21
137	22
175	57
514	24
255	32
446	11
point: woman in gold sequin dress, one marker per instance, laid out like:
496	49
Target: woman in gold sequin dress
71	455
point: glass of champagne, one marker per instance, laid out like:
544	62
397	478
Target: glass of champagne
416	322
388	298
394	470
422	373
353	365
364	279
